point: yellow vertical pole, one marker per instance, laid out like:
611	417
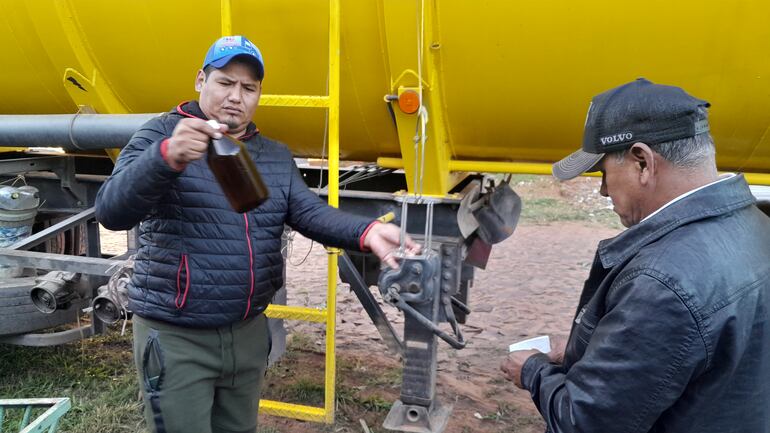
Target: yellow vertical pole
333	189
226	17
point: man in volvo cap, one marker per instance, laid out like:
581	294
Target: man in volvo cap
670	333
204	274
639	111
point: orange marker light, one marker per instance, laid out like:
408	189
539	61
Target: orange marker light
409	101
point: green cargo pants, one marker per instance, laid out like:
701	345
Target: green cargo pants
201	380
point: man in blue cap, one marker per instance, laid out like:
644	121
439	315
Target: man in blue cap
203	273
670	334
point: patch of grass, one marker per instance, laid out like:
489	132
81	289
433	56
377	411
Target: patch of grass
350	398
510	417
545	210
352	365
354	404
362	392
308	391
548	210
519	422
375	377
299	341
99	377
96	374
390	377
540	206
519	178
504	413
13	418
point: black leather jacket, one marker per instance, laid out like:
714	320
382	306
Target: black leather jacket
671	333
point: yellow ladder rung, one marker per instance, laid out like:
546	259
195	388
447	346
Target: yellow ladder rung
288	410
294	101
296	313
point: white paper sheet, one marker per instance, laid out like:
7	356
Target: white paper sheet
541	343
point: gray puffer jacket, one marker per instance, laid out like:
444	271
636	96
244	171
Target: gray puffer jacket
200	264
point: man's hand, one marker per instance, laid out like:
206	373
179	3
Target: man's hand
514	363
383	240
190	141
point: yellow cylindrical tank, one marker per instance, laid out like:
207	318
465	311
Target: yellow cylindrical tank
514	77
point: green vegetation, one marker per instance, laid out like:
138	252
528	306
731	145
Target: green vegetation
96	374
548	210
364	390
545	201
510	419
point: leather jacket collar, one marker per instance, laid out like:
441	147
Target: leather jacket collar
714	200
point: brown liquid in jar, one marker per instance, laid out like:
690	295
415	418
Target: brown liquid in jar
236	173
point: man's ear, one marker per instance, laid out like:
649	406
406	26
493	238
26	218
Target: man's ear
199	80
643	159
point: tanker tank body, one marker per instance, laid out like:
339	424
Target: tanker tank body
433	96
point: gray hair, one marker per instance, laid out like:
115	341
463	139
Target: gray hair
685	153
688	152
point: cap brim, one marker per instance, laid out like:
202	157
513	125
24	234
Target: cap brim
259	68
576	164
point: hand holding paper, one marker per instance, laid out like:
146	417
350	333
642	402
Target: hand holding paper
522	350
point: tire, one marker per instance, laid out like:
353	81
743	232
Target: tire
19	316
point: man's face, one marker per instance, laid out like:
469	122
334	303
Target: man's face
621	183
229	95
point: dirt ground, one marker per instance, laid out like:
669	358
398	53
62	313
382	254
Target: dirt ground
530	287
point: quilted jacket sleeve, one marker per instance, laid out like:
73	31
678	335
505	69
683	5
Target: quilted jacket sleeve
139	180
634	368
309	215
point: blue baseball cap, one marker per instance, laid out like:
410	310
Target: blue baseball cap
227	47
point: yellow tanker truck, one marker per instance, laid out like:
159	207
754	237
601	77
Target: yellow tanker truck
426	96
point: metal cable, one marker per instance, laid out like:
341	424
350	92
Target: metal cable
288	249
371	172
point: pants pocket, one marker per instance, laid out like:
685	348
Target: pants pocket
152	363
153	370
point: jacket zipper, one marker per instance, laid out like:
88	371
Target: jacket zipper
251	266
248	238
